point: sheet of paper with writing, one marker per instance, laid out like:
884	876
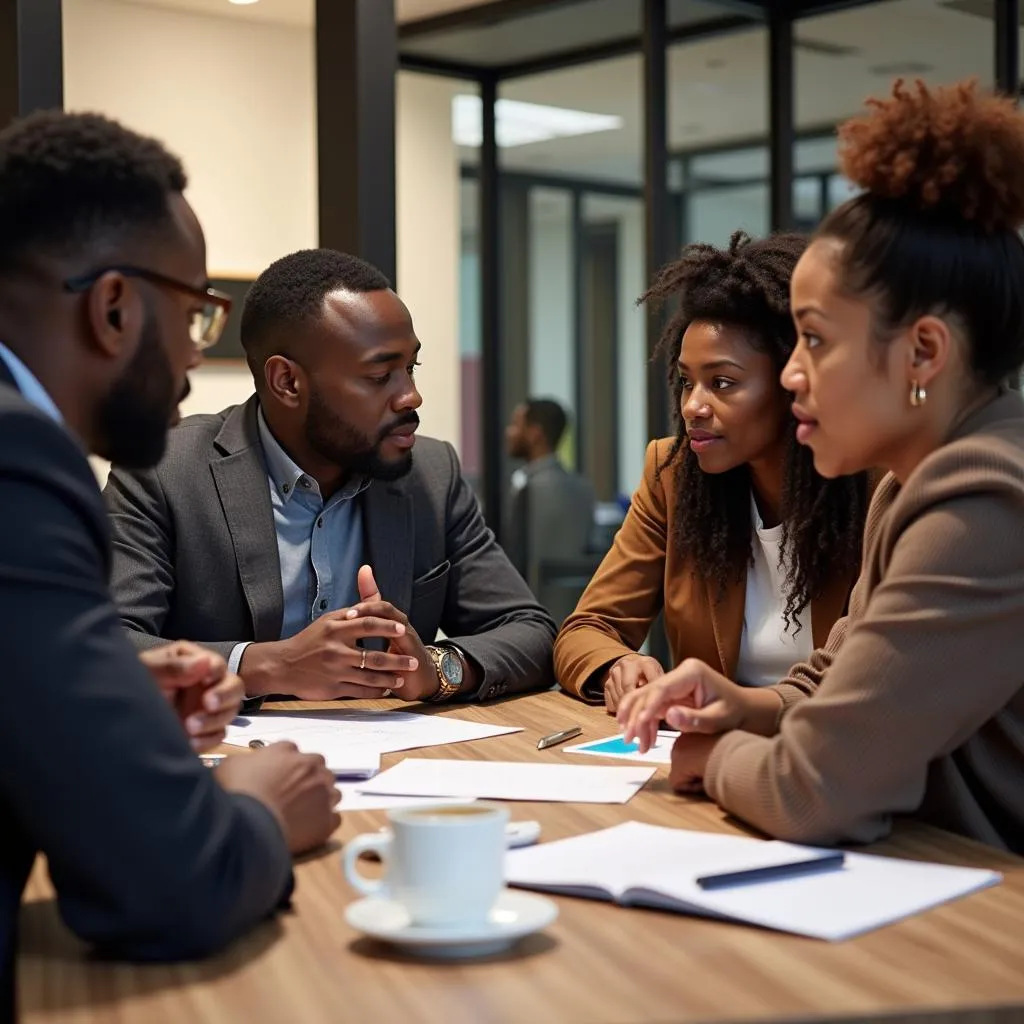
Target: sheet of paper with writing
347	739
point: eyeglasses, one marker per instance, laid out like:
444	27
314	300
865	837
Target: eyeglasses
206	325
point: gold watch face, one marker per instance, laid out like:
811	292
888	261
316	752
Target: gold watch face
451	668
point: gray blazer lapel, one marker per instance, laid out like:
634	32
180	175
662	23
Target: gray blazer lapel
241	479
388	533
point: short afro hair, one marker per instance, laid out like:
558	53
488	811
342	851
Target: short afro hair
68	181
291	291
549	415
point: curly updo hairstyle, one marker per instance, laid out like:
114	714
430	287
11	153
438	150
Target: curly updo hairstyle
747	286
936	229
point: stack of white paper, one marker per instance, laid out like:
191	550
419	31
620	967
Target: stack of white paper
510	780
649	866
351	742
353	800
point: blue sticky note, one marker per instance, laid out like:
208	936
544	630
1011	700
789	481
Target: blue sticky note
613	746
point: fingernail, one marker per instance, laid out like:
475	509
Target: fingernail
351	613
194	723
399	629
398	683
211	702
413	664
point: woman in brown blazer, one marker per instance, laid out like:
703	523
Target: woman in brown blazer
749	552
910	308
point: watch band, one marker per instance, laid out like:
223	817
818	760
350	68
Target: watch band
447	689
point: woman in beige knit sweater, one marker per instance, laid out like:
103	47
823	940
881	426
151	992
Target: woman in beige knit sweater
910	309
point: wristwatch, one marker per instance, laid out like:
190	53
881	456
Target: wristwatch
450	671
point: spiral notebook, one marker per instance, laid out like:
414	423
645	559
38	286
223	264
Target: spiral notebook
648	866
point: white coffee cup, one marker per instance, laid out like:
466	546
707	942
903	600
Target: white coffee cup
445	865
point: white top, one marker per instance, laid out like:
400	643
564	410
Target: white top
767	650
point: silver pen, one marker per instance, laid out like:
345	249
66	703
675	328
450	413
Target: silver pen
558	737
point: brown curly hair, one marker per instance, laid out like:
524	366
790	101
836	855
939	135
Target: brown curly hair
936	229
747	285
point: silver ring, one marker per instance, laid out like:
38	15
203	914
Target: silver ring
362	661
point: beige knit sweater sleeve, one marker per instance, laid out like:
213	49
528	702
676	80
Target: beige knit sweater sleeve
931	650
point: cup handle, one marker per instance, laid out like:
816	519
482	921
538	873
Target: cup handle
369	842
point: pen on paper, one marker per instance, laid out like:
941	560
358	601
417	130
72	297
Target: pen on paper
558	737
772	872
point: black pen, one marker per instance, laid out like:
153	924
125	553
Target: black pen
558	737
772	872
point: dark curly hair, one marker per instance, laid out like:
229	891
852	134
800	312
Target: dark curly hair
69	182
291	291
937	227
747	285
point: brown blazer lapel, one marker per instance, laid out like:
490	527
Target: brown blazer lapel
727	623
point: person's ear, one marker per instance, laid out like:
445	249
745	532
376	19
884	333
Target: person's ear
929	347
284	380
115	314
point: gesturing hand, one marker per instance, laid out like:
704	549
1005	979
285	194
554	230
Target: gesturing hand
691	698
203	693
324	661
627	674
421	683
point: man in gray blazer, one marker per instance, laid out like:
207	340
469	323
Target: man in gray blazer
308	535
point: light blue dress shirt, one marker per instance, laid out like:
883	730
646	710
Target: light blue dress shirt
319	544
30	388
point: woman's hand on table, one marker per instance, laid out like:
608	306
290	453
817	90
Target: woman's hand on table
627	674
692	698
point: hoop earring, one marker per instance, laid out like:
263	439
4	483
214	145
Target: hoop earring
918	395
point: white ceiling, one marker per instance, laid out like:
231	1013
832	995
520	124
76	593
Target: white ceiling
299	12
717	87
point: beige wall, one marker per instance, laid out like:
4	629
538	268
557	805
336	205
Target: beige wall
428	242
237	102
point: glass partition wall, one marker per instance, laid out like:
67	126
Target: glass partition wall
572	123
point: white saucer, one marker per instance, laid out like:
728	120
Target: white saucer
515	915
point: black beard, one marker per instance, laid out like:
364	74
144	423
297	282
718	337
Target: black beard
134	417
341	444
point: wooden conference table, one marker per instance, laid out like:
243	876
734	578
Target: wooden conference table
596	963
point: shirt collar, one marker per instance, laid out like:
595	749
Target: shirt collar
287	476
31	390
544	462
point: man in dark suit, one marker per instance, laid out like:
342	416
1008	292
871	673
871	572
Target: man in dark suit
104	302
297	532
551	510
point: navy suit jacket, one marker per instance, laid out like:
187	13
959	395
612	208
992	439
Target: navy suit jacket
151	859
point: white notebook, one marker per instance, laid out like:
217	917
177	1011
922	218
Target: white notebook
648	866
